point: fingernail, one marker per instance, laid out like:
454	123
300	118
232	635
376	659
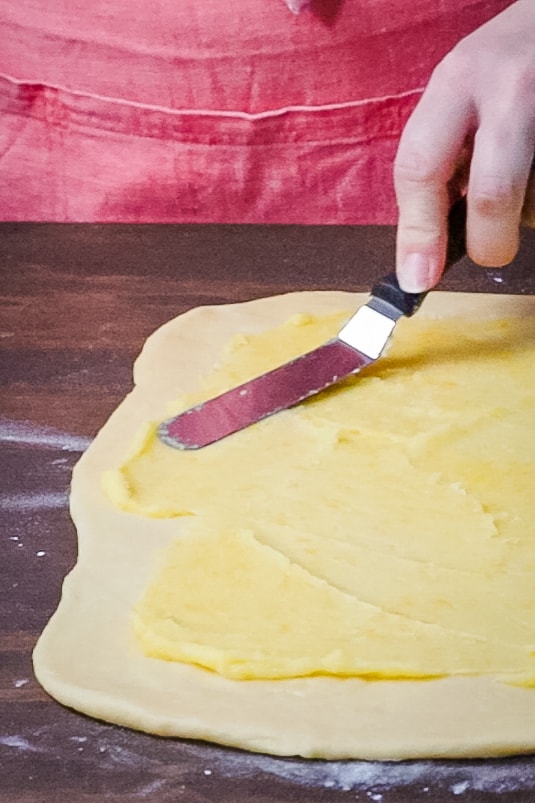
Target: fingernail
415	273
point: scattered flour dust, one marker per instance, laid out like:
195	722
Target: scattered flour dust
23	502
27	433
18	743
459	788
377	778
368	781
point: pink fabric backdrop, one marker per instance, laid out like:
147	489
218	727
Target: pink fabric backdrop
213	110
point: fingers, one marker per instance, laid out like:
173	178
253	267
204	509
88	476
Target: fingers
429	157
483	92
497	187
500	191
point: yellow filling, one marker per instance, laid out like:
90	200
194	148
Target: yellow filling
383	529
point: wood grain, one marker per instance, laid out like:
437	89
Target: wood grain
76	303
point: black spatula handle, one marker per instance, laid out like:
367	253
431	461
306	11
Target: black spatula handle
387	289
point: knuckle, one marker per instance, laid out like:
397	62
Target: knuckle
415	166
421	222
456	66
520	78
494	198
421	231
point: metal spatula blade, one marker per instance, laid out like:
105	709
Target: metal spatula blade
269	393
358	344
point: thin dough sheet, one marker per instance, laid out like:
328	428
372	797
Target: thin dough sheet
87	657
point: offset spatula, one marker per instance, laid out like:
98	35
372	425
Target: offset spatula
359	343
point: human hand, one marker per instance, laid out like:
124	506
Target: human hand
473	131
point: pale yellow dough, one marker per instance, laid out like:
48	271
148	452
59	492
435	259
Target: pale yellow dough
350	576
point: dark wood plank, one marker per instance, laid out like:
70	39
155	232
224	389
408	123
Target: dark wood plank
76	303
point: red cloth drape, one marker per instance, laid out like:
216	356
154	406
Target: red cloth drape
212	110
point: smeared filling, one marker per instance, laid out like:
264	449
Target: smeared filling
383	529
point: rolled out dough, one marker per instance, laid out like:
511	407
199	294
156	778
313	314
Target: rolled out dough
89	659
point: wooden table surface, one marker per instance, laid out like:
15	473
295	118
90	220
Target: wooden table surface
77	302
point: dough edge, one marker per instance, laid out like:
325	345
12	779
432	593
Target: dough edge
86	658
